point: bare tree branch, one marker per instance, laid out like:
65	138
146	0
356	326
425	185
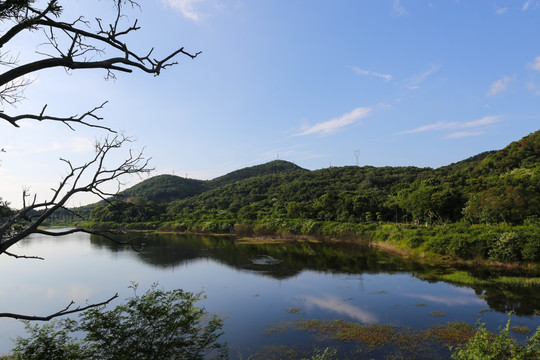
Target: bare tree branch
87	178
63	312
72	46
66	120
23	256
130	242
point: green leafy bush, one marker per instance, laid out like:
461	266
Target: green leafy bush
506	248
486	345
157	325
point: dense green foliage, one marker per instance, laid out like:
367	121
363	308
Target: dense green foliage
485	345
164	188
157	325
501	187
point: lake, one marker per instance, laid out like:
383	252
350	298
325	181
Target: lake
262	290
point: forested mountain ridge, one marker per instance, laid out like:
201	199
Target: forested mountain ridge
167	188
524	153
272	167
492	187
164	188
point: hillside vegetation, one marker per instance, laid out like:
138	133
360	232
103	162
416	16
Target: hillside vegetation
499	190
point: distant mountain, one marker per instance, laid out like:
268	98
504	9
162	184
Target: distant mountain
486	186
165	188
168	188
272	167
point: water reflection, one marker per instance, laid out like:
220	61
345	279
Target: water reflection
448	301
333	304
287	260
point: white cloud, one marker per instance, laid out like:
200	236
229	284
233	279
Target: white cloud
462	134
358	71
533	88
501	85
331	126
399	10
530	4
501	11
443	125
189	9
414	82
536	64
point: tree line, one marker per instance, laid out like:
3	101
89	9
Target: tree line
498	192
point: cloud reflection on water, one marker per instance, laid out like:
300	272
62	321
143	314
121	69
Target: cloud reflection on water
337	305
448	301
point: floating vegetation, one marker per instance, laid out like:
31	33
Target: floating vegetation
380	292
294	310
452	333
438	313
420	304
521	329
384	341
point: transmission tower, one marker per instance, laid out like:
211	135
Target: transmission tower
357	155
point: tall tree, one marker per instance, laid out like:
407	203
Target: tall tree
72	44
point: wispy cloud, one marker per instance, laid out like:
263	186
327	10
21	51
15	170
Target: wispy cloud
454	125
334	125
501	85
533	88
73	145
501	11
358	71
536	64
414	82
462	134
526	5
398	9
190	9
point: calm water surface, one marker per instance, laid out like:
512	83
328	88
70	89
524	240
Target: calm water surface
252	286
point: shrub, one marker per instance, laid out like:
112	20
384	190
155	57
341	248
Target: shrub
157	325
243	229
506	248
264	229
311	227
485	345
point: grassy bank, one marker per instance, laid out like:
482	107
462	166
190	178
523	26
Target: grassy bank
498	243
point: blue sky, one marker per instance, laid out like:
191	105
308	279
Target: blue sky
410	82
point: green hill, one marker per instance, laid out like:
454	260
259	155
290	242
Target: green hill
164	188
496	186
272	167
524	153
167	188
